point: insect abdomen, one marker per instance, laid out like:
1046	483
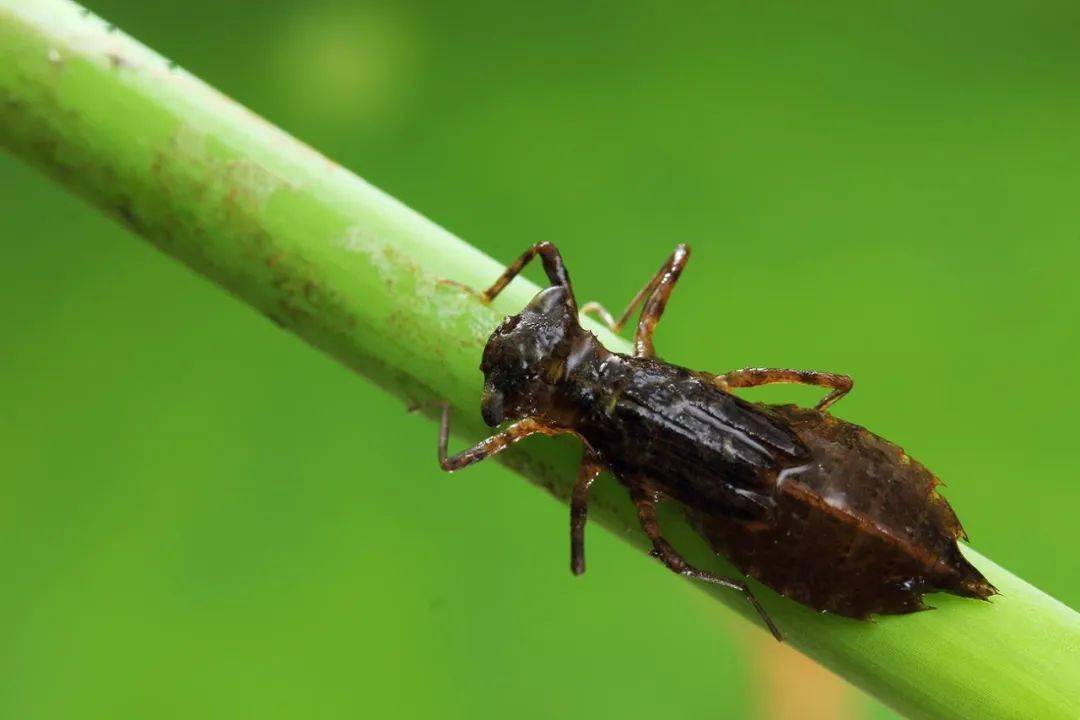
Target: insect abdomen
858	529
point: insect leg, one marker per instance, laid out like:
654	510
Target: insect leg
673	265
601	313
662	549
485	448
752	377
553	266
579	509
659	290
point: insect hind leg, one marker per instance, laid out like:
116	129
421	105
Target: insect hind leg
663	550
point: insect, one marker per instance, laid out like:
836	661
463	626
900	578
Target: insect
821	510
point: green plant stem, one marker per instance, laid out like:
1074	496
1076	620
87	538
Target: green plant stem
355	273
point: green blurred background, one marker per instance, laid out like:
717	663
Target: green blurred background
203	517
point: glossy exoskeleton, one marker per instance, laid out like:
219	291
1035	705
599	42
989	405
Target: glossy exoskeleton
821	510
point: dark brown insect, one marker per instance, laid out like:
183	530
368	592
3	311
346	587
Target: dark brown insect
820	510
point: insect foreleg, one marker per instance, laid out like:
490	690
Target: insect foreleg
485	448
579	509
601	313
752	377
553	266
677	260
656	295
662	549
